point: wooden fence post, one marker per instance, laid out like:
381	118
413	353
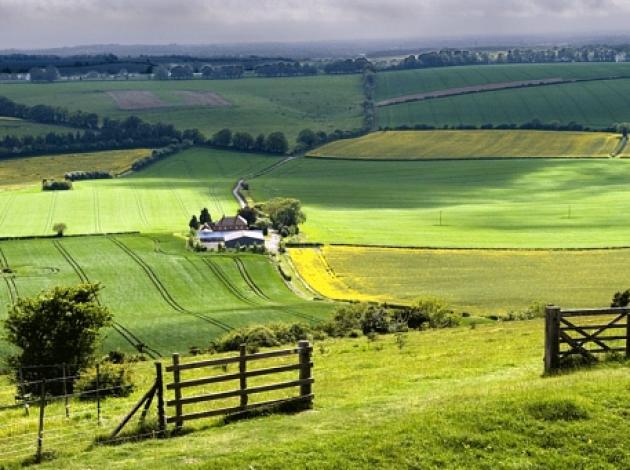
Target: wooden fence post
40	430
242	369
65	390
627	335
98	395
304	348
23	389
178	393
552	338
159	387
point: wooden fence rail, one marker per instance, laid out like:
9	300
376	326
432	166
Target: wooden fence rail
567	336
243	392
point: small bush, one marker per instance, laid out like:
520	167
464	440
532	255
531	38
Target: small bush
431	312
54	185
113	381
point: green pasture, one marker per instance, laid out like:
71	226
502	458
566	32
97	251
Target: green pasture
540	203
483	281
161	198
20	128
406	82
259	105
164	296
455	398
595	104
419	145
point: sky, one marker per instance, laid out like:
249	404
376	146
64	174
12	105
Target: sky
52	23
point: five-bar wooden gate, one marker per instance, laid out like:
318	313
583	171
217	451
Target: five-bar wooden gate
584	333
243	392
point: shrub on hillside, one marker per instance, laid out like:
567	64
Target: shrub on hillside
258	336
113	381
365	318
54	185
88	175
427	312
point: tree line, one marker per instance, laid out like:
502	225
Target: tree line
454	57
534	124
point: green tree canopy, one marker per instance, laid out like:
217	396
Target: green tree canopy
276	143
284	212
59	326
223	138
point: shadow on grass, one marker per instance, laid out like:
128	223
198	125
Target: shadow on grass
577	363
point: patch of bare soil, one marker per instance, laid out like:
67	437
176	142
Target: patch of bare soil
468	89
136	99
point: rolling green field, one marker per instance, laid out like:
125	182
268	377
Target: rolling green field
25	171
456	398
258	105
426	145
19	128
161	295
406	82
476	281
160	199
595	104
539	203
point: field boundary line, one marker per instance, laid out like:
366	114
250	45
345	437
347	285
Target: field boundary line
459	248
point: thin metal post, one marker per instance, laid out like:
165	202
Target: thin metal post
65	390
23	389
98	394
40	430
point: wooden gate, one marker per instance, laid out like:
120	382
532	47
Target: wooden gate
243	392
584	333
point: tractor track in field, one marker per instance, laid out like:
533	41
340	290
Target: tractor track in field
248	279
143	216
5	209
51	212
218	272
123	331
164	293
252	284
9	280
97	211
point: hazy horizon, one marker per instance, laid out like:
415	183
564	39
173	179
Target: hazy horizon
38	24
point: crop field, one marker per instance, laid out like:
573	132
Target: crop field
454	398
29	170
161	295
19	128
159	199
407	82
426	145
524	203
596	104
474	281
258	105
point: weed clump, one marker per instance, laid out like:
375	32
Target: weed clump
557	409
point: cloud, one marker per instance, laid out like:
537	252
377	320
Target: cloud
64	22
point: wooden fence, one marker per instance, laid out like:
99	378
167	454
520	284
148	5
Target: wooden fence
567	334
304	366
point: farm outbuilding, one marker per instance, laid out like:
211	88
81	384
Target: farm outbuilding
231	239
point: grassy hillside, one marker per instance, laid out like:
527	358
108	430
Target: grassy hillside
160	199
167	297
455	398
257	105
499	203
409	145
19	128
30	170
476	281
406	82
595	104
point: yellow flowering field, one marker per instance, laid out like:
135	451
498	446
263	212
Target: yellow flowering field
476	281
317	273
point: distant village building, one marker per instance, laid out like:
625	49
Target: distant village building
231	232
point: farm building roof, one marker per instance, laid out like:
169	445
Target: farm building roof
209	236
